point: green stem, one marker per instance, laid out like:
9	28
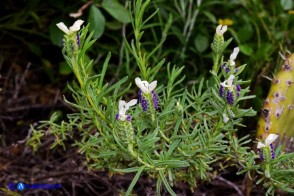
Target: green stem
137	157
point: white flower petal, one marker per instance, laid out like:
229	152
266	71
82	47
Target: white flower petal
220	30
76	26
152	86
260	145
63	28
225	118
271	138
121	104
131	103
230	80
224	83
141	85
234	54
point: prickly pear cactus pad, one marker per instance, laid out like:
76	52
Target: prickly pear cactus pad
277	115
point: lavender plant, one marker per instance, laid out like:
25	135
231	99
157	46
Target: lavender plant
168	133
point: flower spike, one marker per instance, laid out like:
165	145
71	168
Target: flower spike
123	107
145	86
229	82
267	147
268	141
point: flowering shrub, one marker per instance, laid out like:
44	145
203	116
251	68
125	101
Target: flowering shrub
170	134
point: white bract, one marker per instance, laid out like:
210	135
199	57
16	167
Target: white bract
74	28
234	56
220	30
145	86
229	82
225	118
270	139
123	107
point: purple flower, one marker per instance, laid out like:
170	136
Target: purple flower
223	65
221	90
230	98
143	101
236	70
260	154
272	151
155	101
238	89
78	39
140	96
228	69
268	142
122	109
144	104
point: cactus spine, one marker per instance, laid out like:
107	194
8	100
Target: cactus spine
277	115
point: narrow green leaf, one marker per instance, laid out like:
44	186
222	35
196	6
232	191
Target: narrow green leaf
168	188
134	181
128	170
104	68
172	163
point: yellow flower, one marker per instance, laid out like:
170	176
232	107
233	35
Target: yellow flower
225	21
291	12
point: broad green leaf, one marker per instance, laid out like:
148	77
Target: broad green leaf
201	43
56	35
245	33
97	22
246	49
114	25
116	10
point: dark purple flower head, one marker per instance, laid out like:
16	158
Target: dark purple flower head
238	89
155	101
260	154
236	70
223	65
144	104
272	151
116	116
221	90
230	98
129	118
78	39
139	96
228	69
